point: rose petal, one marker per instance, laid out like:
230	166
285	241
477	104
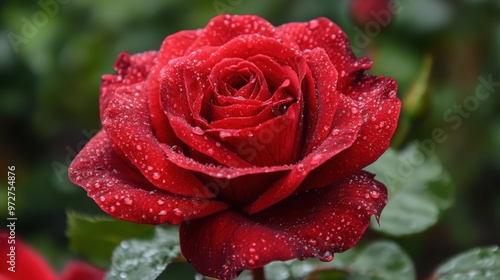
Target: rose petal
223	28
316	224
125	194
127	122
380	110
342	137
131	69
325	99
173	46
322	33
29	264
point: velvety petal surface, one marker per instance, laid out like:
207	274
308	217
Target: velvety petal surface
127	122
130	70
315	224
125	194
375	101
173	46
324	34
339	139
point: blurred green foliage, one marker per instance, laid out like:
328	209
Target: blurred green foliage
51	60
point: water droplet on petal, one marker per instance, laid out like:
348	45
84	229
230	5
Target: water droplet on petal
198	131
313	24
112	209
327	256
128	201
102	198
312	242
160	202
374	194
316	159
251	250
162	213
224	134
177	212
138	147
156	176
176	149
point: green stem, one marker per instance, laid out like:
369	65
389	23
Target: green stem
259	274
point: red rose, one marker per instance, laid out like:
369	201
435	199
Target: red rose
20	262
251	136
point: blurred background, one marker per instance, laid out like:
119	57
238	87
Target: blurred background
443	53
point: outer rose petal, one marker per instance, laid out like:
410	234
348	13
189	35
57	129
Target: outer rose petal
310	224
340	138
224	28
131	69
127	122
77	270
173	46
322	33
29	264
125	194
380	110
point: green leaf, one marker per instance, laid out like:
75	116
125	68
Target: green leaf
95	238
145	259
379	260
419	189
476	264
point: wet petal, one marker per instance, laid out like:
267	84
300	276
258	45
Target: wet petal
127	122
378	106
340	138
131	69
125	194
224	28
173	46
324	34
315	224
78	270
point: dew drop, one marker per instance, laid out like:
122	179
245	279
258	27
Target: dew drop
138	147
224	134
198	131
210	151
312	242
327	256
150	168
102	198
160	202
374	194
156	176
354	110
316	159
381	124
176	149
251	262
177	212
251	250
128	201
112	209
162	213
313	24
